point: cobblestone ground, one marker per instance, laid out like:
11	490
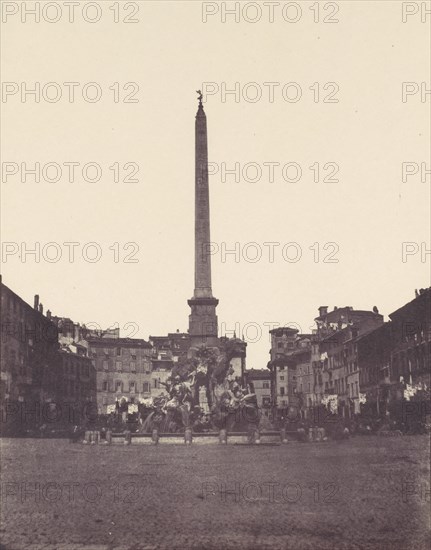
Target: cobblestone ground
365	493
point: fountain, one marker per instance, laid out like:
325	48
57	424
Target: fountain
202	394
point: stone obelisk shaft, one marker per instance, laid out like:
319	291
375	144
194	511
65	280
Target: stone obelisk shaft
203	319
202	209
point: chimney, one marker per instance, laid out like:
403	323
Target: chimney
41	308
48	314
323	310
36	302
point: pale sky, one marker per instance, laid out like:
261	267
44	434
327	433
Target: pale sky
169	54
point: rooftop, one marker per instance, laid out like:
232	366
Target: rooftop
120	342
258	374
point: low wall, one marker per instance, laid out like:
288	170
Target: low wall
206	438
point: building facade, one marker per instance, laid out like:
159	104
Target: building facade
47	378
285	341
76	384
337	333
411	341
260	382
29	355
123	369
300	361
374	365
172	347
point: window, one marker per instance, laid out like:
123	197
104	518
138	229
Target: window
105	385
133	367
118	351
357	388
265	385
105	365
118	386
119	366
280	345
146	387
132	387
133	357
155	382
281	377
309	387
281	391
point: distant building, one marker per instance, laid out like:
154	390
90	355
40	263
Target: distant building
123	369
29	354
261	381
342	317
72	332
300	361
48	374
76	384
317	369
337	332
411	341
307	367
394	360
235	350
170	347
374	365
166	351
284	343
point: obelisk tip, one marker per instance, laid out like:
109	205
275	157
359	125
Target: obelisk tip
201	111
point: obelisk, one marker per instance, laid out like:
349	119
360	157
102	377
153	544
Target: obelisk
203	319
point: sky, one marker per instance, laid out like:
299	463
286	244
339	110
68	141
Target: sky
335	104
